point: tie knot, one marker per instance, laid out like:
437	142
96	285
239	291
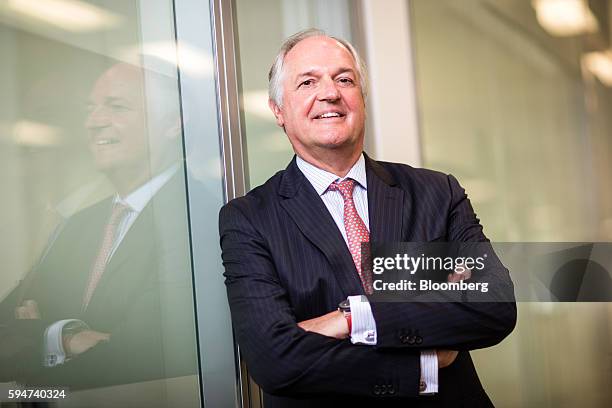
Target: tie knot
345	188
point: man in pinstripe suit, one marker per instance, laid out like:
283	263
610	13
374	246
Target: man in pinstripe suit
290	251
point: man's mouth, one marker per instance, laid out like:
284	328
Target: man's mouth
328	115
107	141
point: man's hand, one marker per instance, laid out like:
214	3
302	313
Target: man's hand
28	310
446	357
83	341
460	273
332	324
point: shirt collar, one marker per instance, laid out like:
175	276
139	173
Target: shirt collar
321	179
139	198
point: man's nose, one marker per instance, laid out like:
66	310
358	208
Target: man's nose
328	91
97	118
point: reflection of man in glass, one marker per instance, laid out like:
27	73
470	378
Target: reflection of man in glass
110	300
131	139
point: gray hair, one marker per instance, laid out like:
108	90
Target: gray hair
275	76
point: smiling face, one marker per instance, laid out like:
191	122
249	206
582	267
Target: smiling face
116	122
125	136
323	107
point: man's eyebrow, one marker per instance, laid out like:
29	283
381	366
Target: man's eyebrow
107	99
307	73
345	70
115	99
314	72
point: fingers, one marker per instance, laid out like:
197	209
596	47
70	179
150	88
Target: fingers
32	308
103	336
446	357
332	324
460	273
28	310
94	336
452	356
20	312
83	341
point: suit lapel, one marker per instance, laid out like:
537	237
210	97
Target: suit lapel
308	211
134	255
385	204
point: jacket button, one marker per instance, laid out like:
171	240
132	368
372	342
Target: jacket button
390	389
404	338
376	390
419	340
411	340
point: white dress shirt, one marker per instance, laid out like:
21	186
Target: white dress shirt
363	329
136	201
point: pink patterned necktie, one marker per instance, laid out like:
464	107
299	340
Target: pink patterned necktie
356	230
118	213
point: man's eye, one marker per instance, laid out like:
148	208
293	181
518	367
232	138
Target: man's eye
307	83
119	108
346	81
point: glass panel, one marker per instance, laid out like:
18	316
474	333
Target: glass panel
94	226
511	105
205	187
267	146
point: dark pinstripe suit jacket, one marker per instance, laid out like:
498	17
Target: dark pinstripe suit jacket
286	261
142	300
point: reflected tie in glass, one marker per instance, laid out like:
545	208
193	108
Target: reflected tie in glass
118	213
356	230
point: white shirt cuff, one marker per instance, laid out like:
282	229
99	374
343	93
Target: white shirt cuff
429	371
362	320
53	343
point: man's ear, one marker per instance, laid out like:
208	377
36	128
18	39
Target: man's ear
278	113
